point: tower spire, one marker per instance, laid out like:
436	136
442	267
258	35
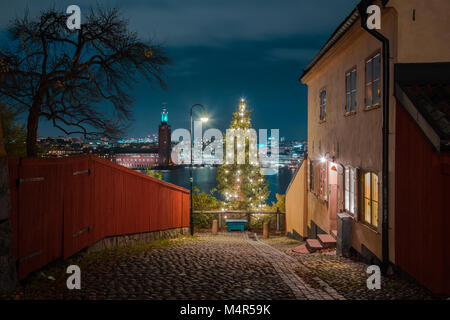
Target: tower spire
164	115
164	143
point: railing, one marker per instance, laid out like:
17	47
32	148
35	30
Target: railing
60	206
278	224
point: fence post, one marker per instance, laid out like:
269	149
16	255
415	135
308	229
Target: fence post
220	221
266	230
278	219
248	219
214	227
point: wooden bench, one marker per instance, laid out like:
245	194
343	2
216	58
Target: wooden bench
235	224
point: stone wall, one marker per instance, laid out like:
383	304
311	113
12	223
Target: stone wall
131	239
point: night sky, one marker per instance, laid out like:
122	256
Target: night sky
222	50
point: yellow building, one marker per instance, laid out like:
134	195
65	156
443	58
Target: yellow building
351	122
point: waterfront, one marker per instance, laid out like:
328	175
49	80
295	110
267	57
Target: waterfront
205	179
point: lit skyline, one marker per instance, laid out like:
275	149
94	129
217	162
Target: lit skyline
222	51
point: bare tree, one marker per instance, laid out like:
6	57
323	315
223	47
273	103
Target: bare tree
77	79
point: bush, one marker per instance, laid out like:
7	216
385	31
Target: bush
154	174
280	204
203	202
257	221
202	220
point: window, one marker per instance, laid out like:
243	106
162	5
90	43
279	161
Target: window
373	91
350	91
349	189
370	199
323	102
323	180
318	179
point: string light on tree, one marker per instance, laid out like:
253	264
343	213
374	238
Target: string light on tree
244	181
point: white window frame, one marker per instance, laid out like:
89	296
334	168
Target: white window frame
323	105
350	184
350	91
370	67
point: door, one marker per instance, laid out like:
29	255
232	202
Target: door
333	195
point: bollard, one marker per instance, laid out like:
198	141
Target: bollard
214	227
266	230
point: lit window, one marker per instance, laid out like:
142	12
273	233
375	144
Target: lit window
350	183
370	197
373	91
350	91
323	102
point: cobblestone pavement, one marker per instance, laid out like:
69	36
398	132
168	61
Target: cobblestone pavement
349	278
226	266
286	267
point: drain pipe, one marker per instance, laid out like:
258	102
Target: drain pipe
362	7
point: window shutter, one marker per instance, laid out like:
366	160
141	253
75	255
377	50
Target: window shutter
358	187
317	180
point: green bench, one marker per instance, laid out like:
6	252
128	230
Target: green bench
235	224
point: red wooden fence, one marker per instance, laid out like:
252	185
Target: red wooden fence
60	206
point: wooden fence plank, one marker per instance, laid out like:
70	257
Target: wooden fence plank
64	205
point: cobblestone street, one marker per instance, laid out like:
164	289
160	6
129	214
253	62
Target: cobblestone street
227	266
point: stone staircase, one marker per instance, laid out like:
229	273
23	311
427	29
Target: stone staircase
323	241
334	234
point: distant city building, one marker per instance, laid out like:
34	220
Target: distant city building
135	160
164	142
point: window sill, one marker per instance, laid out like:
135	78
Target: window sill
352	215
319	198
372	107
369	227
350	113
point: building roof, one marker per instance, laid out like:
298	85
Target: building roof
337	34
427	87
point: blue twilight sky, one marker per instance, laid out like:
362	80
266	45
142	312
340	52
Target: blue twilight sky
222	50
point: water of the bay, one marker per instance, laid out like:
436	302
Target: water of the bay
205	179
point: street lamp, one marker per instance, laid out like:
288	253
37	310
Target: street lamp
191	179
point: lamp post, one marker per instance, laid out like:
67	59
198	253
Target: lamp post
191	179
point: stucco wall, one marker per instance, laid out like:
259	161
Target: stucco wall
355	139
318	212
427	38
296	204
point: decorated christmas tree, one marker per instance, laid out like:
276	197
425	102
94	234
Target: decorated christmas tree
242	186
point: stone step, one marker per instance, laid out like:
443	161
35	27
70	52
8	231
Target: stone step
313	245
327	241
301	249
334	233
